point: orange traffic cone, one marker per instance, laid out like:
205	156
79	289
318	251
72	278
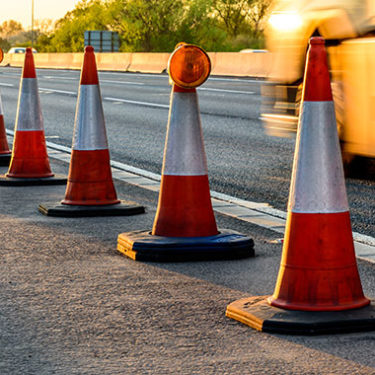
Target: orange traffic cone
184	225
29	164
184	208
318	271
90	190
5	153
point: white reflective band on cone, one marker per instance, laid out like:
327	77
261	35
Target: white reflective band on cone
317	184
89	125
184	150
29	113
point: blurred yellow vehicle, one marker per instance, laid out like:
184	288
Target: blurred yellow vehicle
349	29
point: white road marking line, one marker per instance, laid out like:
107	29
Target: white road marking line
57	77
57	91
158	75
226	91
6	84
147	104
101	81
144	84
239	79
117	100
122	82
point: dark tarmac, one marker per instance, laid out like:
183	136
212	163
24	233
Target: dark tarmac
71	304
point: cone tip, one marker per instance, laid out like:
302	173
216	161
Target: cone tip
29	67
89	49
89	74
317	85
177	88
317	40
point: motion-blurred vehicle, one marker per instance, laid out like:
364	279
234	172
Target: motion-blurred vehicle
349	29
19	50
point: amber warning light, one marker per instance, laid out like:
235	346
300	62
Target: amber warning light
1	55
189	66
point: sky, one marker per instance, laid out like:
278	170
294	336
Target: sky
20	10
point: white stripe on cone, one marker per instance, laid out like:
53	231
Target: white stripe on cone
184	150
89	126
317	184
29	113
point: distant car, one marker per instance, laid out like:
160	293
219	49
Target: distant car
20	50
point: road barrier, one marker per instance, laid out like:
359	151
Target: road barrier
148	62
113	61
16	60
29	164
318	289
73	60
254	64
90	190
184	225
5	61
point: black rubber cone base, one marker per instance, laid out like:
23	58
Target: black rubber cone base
66	210
258	314
5	159
144	246
12	181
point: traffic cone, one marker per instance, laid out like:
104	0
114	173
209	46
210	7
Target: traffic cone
5	153
29	164
318	289
90	190
184	208
184	226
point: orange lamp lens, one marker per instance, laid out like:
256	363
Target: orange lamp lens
1	55
189	66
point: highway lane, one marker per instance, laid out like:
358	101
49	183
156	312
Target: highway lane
242	160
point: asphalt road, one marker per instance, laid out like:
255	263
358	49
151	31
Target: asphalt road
71	304
243	162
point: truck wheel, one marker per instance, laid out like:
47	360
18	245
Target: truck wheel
356	166
348	161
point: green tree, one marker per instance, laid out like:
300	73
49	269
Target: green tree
69	31
44	43
10	28
257	14
23	38
4	44
147	25
232	14
45	26
199	27
156	25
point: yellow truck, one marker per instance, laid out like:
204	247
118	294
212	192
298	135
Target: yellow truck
349	29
